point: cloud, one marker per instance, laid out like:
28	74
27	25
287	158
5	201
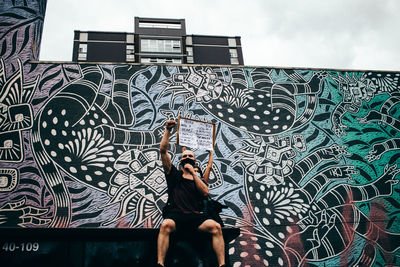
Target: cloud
329	34
357	34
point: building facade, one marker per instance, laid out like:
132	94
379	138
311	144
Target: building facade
156	41
307	160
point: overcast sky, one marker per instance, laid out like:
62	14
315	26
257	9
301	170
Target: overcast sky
340	34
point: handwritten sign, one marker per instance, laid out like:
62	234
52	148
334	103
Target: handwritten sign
196	134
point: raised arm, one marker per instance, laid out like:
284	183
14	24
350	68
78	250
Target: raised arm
165	158
209	166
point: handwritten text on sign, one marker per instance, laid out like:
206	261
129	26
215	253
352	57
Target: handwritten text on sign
196	134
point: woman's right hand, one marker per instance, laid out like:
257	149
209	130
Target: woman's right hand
170	124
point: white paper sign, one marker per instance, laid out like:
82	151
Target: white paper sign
196	134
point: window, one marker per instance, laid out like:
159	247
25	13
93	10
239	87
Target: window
130	53
189	40
234	56
130	49
82	48
130	38
176	44
130	57
83	37
190	60
233	53
160	46
234	61
231	42
157	25
82	52
160	60
189	51
82	56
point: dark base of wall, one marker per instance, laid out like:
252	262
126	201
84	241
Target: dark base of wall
103	247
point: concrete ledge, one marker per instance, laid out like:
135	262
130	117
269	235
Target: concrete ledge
97	247
96	234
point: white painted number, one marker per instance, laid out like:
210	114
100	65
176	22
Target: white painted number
11	246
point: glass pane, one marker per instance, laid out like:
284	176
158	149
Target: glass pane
164	25
81	56
82	48
130	57
233	52
234	61
130	38
83	36
161	46
232	42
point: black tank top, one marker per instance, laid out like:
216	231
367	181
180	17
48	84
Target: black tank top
183	194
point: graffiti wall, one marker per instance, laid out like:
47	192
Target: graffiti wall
306	160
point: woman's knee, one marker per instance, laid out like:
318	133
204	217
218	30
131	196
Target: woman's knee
213	227
217	228
167	226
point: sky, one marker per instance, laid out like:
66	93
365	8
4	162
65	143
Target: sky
331	34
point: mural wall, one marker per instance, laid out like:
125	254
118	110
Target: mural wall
306	160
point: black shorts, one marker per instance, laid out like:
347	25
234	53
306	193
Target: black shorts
187	222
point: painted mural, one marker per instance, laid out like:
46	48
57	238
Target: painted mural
307	161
